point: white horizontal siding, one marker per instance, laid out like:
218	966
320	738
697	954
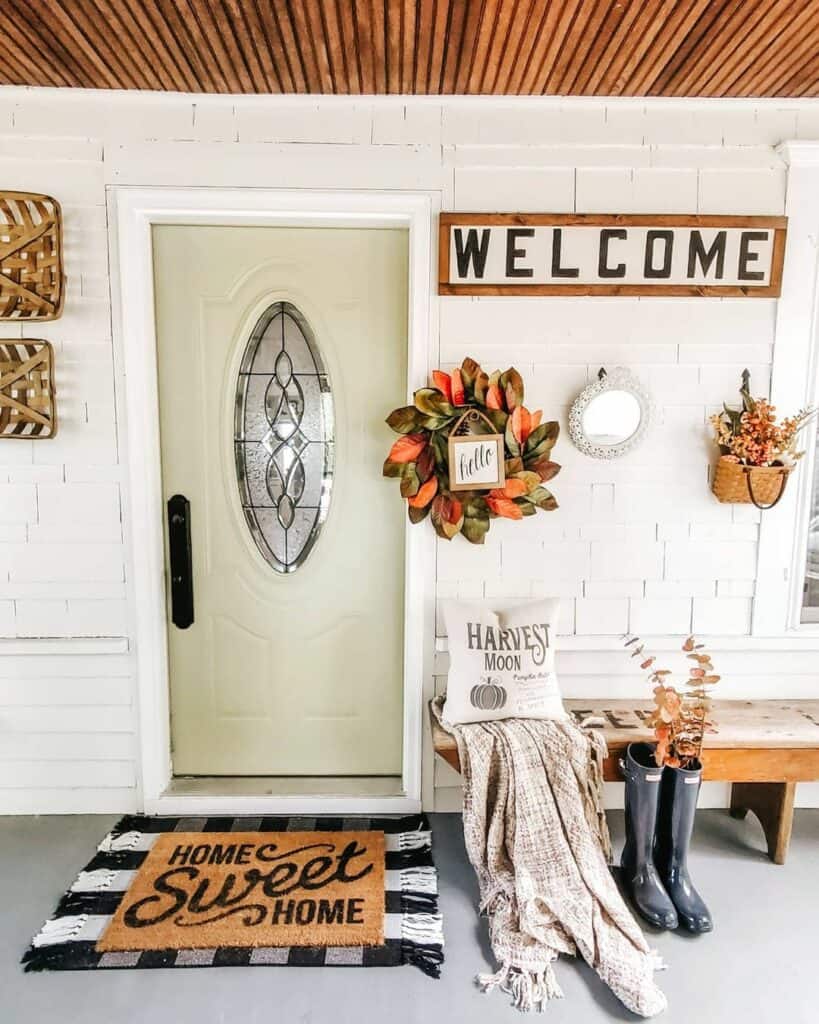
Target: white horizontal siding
638	543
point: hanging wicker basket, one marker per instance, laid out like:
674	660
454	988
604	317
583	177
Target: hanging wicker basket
762	486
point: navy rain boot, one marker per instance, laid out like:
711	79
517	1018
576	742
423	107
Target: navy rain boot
640	877
678	802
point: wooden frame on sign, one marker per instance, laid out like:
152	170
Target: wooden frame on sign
770	290
462	436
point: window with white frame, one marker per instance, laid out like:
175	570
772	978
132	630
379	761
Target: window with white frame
810	591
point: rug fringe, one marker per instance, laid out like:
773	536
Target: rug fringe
423	928
59	929
418	839
119	842
427	958
419	879
93	881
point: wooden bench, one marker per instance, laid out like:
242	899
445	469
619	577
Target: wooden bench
762	747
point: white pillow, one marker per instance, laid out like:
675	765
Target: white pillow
501	661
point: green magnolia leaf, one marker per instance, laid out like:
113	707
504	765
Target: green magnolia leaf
440	448
510	440
526	507
405	420
511	384
498	418
513	466
410	481
418	515
434	423
475	506
431	402
542	498
475	528
545	432
393	469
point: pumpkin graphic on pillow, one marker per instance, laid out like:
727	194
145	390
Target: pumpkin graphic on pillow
488	695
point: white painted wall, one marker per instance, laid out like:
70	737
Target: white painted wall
637	544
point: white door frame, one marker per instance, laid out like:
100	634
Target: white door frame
133	212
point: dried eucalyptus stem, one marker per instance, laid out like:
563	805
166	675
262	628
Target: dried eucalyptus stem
679	720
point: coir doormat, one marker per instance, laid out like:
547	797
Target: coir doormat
229	892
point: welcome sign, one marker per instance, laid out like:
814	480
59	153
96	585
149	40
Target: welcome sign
590	254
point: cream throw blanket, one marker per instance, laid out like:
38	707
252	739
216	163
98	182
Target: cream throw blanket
537	837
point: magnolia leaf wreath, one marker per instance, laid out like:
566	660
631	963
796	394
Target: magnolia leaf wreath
420	457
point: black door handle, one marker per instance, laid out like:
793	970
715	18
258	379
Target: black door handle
179	544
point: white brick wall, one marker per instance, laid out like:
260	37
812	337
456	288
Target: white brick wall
636	544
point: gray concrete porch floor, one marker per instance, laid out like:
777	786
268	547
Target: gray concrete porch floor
759	966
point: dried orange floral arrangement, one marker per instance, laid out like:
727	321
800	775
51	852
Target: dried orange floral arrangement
751	435
679	720
419	459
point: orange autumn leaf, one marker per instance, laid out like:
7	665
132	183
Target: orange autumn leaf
426	492
521	424
494	398
513	488
503	507
536	418
441	381
407	448
458	393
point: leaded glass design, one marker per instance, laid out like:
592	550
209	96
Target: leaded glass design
283	437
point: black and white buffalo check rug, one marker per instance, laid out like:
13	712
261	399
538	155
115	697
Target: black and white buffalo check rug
231	892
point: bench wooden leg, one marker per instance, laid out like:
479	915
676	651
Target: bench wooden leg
772	803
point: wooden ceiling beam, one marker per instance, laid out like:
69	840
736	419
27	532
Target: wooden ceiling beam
646	28
611	53
504	16
440	41
512	43
508	47
714	11
308	31
760	36
486	29
50	44
455	32
467	53
718	50
32	56
612	12
668	41
795	45
547	78
141	20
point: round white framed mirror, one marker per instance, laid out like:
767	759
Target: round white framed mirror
610	416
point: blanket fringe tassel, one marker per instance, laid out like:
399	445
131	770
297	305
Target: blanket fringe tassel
529	989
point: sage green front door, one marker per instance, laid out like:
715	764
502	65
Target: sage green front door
280	350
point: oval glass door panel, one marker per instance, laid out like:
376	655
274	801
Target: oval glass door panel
283	437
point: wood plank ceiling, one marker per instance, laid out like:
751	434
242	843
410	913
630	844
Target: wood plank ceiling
507	47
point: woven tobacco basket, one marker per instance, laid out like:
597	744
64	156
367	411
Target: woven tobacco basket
31	257
762	486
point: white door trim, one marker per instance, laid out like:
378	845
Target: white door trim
133	211
783	532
